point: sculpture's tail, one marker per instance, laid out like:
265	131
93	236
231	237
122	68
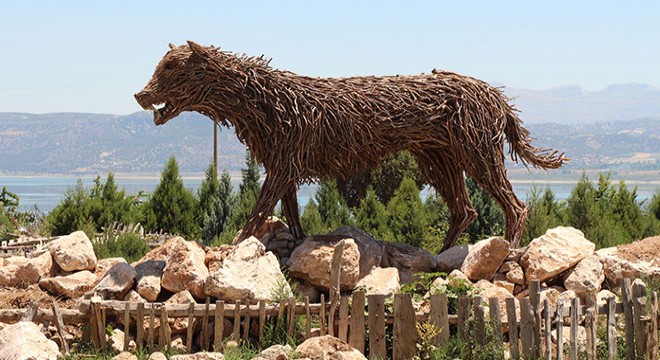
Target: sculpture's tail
520	141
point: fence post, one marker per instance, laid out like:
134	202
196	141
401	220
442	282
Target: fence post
575	318
219	325
322	316
405	329
611	328
495	318
628	317
165	335
357	321
308	320
513	327
590	323
127	323
560	330
439	317
653	343
535	303
548	329
639	305
152	325
463	316
480	326
191	325
236	334
526	329
376	324
205	324
139	322
343	319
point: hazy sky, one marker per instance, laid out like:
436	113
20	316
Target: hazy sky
92	55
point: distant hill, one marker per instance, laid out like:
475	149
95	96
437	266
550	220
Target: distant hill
75	143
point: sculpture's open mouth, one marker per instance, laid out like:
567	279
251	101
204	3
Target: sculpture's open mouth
163	111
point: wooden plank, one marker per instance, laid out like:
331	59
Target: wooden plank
246	321
653	341
513	327
308	320
479	323
495	318
262	319
590	325
535	303
335	273
291	316
139	323
560	330
548	329
343	319
236	334
628	318
165	333
219	324
611	328
639	308
575	307
376	325
322	316
280	313
59	325
152	325
127	325
205	325
526	328
438	317
357	333
405	329
463	316
189	330
31	311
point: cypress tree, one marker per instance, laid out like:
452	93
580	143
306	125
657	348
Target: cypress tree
408	221
311	221
332	207
372	217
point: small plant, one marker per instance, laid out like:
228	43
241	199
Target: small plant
244	351
427	333
421	285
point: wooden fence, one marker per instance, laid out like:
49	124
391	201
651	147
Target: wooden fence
527	329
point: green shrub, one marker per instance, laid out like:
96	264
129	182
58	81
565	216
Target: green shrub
131	247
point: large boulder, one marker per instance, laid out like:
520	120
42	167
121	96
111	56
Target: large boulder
18	271
249	274
117	282
371	250
311	261
148	274
554	252
635	260
215	256
451	259
24	340
489	290
408	259
72	286
73	252
185	268
272	225
328	348
380	282
587	276
103	265
484	258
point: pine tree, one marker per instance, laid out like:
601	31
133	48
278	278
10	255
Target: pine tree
408	221
249	191
331	206
490	219
437	214
311	221
372	217
544	214
172	207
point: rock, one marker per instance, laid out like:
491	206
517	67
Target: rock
248	274
177	345
311	262
489	290
272	225
23	340
125	355
635	260
408	259
507	266
118	281
71	286
587	276
554	252
199	356
179	325
506	285
133	296
371	250
148	275
117	341
73	252
516	275
277	352
185	269
437	284
566	297
484	258
452	258
566	335
18	271
456	277
381	282
603	295
157	356
216	255
304	288
552	294
103	265
326	348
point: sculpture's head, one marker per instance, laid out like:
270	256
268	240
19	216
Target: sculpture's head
178	84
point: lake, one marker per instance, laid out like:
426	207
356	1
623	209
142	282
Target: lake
46	192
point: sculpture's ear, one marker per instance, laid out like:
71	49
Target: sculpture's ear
172	46
197	49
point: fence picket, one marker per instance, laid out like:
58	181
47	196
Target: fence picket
139	323
205	324
127	324
480	325
376	325
495	318
513	327
463	316
322	316
560	330
526	329
308	319
575	318
611	328
590	320
405	331
639	308
219	325
236	333
438	316
628	318
535	303
152	325
191	326
356	339
653	341
343	319
548	329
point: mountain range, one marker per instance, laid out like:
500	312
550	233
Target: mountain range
618	127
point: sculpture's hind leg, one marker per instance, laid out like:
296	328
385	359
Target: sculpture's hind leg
491	175
272	190
290	208
447	179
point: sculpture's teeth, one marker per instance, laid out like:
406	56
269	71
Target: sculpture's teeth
158	106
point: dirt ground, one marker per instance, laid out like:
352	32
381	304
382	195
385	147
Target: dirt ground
643	250
12	298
